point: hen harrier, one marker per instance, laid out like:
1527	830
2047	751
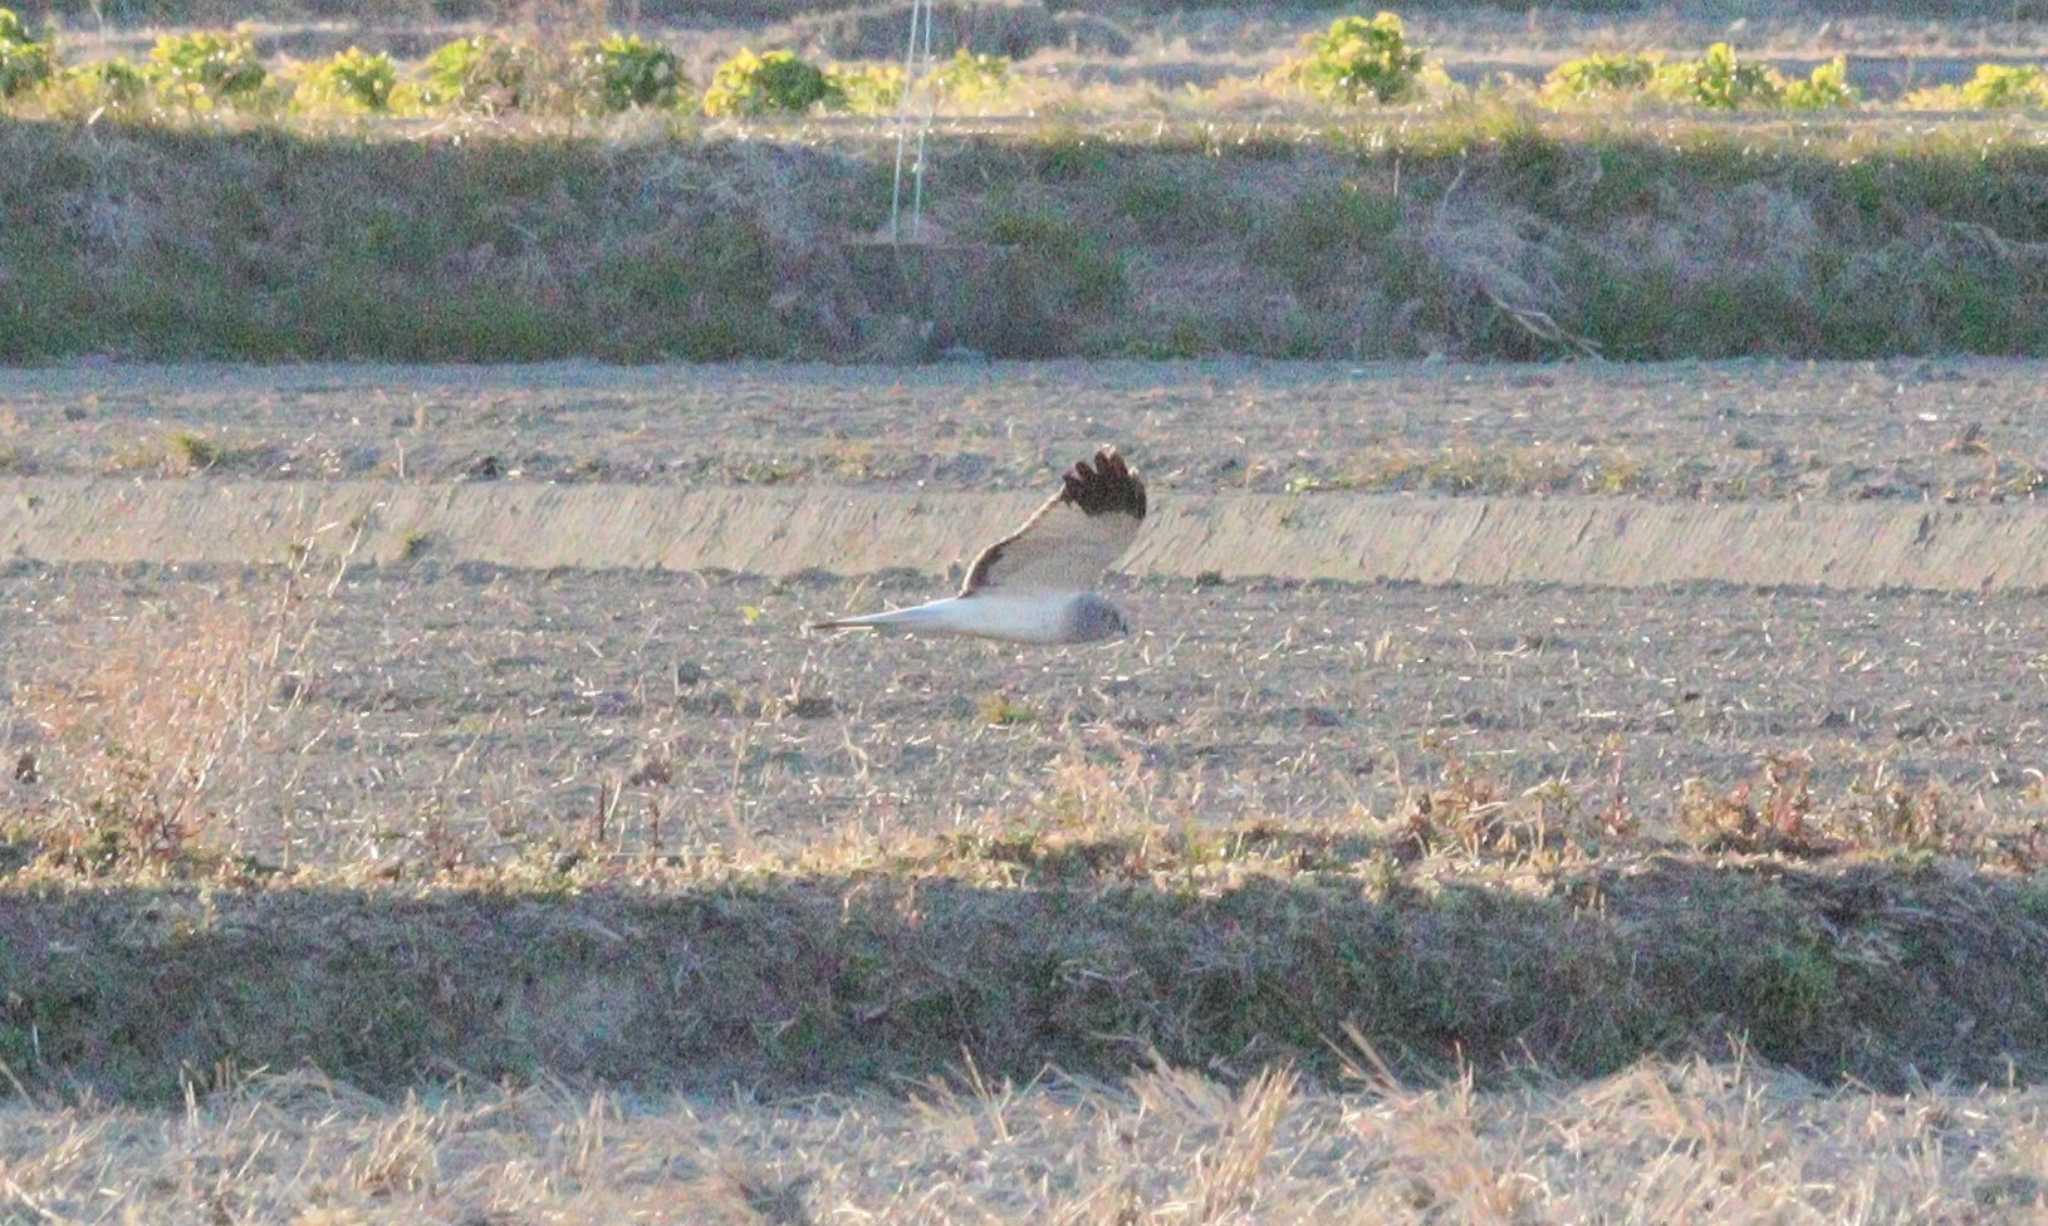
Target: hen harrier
1033	585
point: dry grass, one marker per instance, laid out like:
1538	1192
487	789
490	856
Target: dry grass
1490	229
175	453
1686	1141
163	725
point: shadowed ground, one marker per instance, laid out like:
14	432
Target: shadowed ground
1224	950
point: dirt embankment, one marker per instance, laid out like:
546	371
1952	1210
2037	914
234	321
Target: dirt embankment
1344	537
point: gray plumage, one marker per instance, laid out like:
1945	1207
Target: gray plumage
1035	585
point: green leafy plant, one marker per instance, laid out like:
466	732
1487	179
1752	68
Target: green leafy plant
1595	76
482	74
357	79
86	90
1720	81
968	77
868	89
1999	86
214	64
24	62
750	84
1358	58
628	71
449	69
120	80
1827	89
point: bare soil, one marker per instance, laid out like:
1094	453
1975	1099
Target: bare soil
499	698
500	701
1918	430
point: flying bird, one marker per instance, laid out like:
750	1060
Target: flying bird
1035	585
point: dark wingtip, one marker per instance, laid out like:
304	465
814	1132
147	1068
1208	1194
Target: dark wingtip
1107	488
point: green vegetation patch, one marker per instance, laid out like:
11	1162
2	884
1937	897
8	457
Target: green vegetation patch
1359	59
24	61
356	78
774	81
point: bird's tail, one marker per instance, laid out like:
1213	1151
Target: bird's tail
922	617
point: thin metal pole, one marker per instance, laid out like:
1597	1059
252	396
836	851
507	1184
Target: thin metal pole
917	194
903	118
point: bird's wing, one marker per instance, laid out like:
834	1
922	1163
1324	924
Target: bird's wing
1068	542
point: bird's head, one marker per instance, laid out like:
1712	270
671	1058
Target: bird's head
1095	620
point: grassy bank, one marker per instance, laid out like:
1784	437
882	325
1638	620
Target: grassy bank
1488	231
1477	938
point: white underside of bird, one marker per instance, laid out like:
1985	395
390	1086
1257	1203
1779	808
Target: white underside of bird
1035	585
1034	617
